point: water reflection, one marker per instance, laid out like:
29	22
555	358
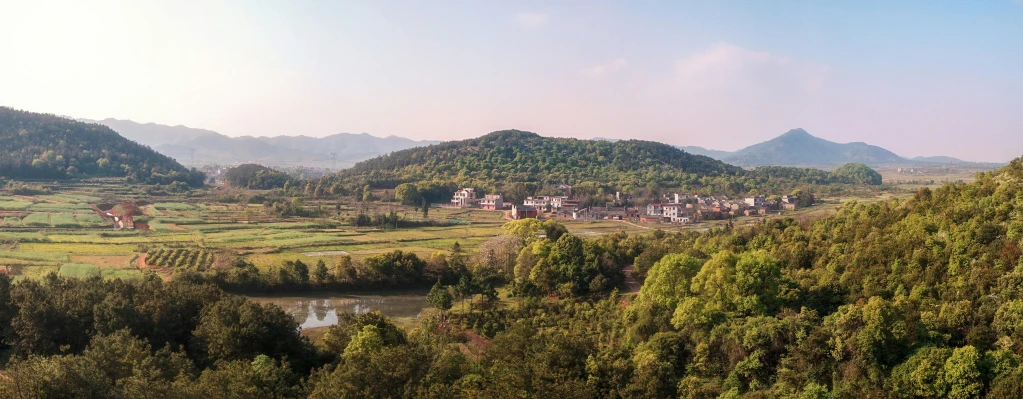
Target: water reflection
319	311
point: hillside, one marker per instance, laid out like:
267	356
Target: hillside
797	147
255	177
212	147
517	156
42	146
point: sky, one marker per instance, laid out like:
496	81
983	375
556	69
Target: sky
917	77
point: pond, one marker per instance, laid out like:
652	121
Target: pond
322	309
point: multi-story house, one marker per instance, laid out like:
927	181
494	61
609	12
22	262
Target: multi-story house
465	198
492	202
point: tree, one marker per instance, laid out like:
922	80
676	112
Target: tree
408	194
439	297
320	274
236	329
464	290
962	377
670	278
301	271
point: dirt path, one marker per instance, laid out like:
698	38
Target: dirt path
633	224
630	282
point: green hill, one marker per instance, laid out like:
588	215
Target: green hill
518	163
517	156
256	177
42	146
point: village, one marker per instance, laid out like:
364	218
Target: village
676	208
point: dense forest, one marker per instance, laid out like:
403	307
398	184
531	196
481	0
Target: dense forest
516	163
913	298
257	177
41	146
518	156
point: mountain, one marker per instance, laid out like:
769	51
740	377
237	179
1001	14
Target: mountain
206	146
716	154
938	159
516	156
43	146
797	147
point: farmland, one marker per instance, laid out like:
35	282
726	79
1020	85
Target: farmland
60	233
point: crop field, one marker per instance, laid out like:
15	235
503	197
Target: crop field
60	233
51	207
180	258
13	204
71	199
37	220
174	206
63	220
90	220
78	270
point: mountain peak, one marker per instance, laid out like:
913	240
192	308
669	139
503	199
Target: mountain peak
797	147
797	132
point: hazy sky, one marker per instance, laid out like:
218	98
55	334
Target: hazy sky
928	77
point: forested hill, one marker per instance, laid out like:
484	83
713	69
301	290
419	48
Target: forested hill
517	156
42	146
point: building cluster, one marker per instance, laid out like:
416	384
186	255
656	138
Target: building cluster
685	208
674	208
466	198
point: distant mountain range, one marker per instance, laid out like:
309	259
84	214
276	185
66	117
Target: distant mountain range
179	142
799	148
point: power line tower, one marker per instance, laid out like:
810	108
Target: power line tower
192	151
948	173
333	158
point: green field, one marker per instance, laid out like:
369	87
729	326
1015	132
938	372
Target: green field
90	220
13	204
78	270
63	220
175	206
37	220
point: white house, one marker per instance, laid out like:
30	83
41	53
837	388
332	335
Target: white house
465	198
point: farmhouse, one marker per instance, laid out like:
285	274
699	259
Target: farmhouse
541	202
519	212
492	202
465	198
755	201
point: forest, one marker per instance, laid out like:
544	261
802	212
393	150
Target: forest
257	177
913	298
42	146
515	163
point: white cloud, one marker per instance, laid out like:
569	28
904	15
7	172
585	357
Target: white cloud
606	68
725	63
531	19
